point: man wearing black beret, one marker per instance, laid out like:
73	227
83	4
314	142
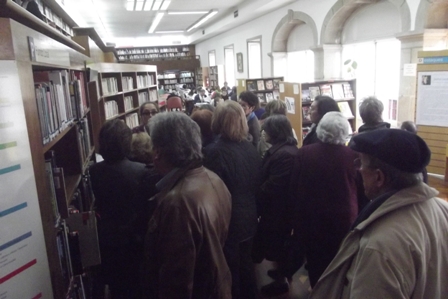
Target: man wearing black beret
398	245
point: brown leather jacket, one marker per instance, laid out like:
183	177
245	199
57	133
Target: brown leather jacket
184	256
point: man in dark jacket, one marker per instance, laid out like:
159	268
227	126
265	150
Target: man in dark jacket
186	235
371	111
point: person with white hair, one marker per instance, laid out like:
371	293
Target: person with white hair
324	199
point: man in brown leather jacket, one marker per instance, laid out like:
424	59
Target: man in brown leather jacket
184	256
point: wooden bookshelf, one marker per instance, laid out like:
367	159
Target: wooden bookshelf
168	79
144	54
67	143
118	90
267	89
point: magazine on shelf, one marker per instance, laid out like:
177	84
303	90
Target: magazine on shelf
276	83
314	92
338	91
348	92
269	84
260	85
269	97
251	86
276	95
261	97
325	90
345	109
306	113
306	96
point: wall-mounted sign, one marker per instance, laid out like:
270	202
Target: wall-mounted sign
433	60
40	52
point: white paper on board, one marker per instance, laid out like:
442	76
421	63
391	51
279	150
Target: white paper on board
282	87
290	105
295	88
432	106
244	83
410	69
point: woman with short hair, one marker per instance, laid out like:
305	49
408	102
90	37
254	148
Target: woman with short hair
236	162
371	112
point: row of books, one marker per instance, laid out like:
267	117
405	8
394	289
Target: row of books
186	80
166	76
61	98
127	82
152	56
151	50
110	109
150	96
84	138
173	81
132	120
145	81
338	91
109	85
261	85
128	103
186	74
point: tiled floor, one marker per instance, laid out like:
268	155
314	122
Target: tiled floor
300	287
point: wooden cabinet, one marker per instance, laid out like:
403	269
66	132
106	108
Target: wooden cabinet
58	117
117	90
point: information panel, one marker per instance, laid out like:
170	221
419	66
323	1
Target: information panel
432	99
24	271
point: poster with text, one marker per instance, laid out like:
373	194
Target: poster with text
432	99
290	105
24	271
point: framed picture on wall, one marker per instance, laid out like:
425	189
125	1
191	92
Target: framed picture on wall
239	62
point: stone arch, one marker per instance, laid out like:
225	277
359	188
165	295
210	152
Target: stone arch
286	25
335	19
432	14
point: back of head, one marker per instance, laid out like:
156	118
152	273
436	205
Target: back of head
250	98
176	137
141	148
371	111
333	128
230	121
409	126
279	129
276	107
204	119
115	140
326	104
400	155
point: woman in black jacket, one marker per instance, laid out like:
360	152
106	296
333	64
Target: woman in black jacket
236	161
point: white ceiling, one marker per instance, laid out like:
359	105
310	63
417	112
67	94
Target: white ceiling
114	23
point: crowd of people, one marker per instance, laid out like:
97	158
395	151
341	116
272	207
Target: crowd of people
189	201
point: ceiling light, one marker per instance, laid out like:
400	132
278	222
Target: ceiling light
165	5
156	22
130	5
148	5
157	4
169	32
187	12
203	20
139	5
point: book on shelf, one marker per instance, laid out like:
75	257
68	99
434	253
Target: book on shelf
314	92
344	107
143	97
110	109
109	85
64	254
61	195
338	91
306	98
51	190
84	138
260	85
128	103
306	114
325	90
276	95
132	120
269	84
269	97
348	92
127	82
276	83
251	85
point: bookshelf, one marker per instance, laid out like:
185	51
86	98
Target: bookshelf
117	90
53	101
199	77
56	17
168	79
143	54
266	89
215	76
342	91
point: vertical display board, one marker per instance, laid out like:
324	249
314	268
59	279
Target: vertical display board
24	271
291	95
432	107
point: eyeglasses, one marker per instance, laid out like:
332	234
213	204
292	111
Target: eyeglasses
150	112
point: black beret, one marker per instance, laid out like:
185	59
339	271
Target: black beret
398	148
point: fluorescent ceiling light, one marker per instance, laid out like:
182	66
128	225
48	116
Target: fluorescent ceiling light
156	22
187	12
169	32
165	5
148	5
157	4
139	5
203	20
130	5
